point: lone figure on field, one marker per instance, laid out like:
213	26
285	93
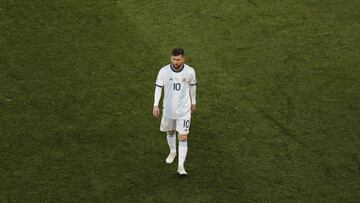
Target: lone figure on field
179	83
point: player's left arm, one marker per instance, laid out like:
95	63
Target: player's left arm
193	97
193	92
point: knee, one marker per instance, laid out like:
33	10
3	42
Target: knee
182	137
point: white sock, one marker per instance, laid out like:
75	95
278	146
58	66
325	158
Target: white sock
183	147
171	139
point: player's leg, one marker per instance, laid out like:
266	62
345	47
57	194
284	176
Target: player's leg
171	139
183	147
168	126
182	126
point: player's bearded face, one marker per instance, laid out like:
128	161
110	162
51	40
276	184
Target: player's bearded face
176	61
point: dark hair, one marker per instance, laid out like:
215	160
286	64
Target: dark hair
177	52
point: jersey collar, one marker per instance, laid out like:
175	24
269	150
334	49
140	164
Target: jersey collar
177	70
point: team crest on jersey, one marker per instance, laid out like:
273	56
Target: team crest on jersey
170	79
184	79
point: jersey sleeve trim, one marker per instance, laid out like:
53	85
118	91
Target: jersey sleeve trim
193	84
158	85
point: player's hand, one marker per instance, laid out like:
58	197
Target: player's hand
193	108
156	111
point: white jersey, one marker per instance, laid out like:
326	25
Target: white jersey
176	83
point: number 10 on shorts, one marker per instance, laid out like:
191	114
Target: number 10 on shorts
186	124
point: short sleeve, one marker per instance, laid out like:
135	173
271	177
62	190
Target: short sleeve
193	80
159	80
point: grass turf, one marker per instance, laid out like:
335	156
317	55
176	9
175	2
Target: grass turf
278	100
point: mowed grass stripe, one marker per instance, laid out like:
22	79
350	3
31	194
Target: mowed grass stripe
75	90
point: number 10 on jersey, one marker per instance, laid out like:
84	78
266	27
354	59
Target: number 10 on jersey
177	86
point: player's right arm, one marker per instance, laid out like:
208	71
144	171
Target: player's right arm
157	96
158	89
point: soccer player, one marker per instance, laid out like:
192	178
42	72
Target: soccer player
179	83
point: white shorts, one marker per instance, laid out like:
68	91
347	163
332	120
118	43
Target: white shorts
182	126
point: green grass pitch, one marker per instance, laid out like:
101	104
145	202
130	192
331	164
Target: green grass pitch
278	111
